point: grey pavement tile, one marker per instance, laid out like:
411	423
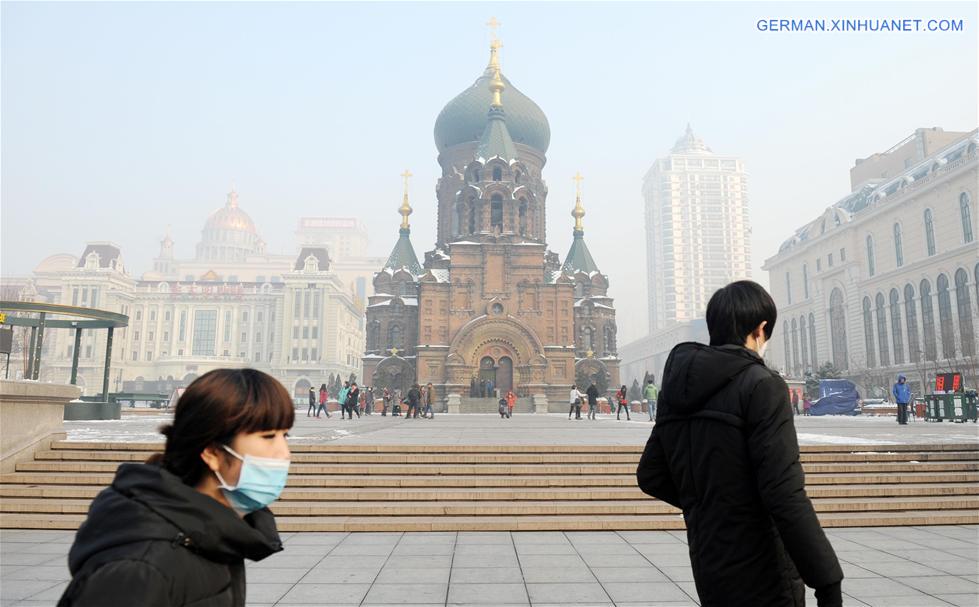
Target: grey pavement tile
488	550
597	604
868	555
923	555
20	558
372	538
474	560
315	539
265	593
484	537
432	537
941	583
677	573
867	588
340	576
307	549
647	537
41	574
528	549
629	574
324	594
855	571
605	549
421	562
269	575
282	560
690	588
569	575
538	538
15	590
351	562
965	553
550	561
402	575
905	600
960	600
488	594
687	603
944	543
486	575
669	560
567	593
900	569
848	600
406	594
51	594
362	550
403	549
615	560
649	592
594	537
41	548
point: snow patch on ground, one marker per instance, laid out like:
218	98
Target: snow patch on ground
829	439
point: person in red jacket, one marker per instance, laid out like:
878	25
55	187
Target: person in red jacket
511	400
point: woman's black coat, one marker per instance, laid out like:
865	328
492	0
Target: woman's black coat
150	540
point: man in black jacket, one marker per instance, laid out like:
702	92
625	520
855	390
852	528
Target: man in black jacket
592	393
724	450
353	400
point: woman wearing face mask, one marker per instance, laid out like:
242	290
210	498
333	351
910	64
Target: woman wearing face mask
176	530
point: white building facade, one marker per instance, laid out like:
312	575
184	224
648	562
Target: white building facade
698	235
886	280
232	305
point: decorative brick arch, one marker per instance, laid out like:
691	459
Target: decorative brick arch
507	331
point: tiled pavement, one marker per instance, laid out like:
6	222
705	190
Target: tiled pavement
885	566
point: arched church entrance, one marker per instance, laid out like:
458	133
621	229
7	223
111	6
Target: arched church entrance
498	370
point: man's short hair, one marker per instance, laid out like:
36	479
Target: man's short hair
735	310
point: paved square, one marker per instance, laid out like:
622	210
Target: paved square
884	566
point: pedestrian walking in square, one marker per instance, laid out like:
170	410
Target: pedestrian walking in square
623	399
651	393
724	451
324	397
429	399
353	401
574	400
511	401
312	401
902	396
414	399
592	393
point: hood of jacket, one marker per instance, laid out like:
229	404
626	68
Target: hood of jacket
695	372
146	502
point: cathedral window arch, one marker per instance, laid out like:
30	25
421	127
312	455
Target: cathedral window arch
497	174
518	177
963	304
523	216
610	340
587	339
373	336
496	211
395	336
946	323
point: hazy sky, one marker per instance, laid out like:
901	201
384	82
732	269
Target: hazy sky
121	118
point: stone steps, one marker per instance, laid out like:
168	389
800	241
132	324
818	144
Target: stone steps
538	487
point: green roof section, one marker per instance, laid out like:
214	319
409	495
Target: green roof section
579	257
403	255
496	139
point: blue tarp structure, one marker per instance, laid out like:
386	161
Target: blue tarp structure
836	397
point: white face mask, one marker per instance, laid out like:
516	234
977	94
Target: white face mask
762	349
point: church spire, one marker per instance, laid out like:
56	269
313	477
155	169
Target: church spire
405	209
496	140
403	254
579	258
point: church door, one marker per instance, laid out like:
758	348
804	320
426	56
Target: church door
504	374
487	370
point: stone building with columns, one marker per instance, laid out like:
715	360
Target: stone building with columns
886	280
491	301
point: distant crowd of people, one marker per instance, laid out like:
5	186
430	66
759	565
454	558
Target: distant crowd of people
354	400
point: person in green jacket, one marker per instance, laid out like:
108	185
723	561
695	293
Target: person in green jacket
650	393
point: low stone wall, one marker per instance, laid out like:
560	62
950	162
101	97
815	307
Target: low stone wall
93	410
29	413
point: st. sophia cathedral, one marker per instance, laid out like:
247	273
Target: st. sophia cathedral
490	301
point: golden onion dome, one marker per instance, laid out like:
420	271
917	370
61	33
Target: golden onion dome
230	217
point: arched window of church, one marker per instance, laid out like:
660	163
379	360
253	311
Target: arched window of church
945	317
897	336
837	330
883	348
472	215
497	174
963	304
395	337
868	334
474	175
928	321
523	216
518	177
609	340
587	340
373	331
911	324
460	218
496	211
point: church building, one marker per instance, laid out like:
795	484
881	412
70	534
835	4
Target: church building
490	302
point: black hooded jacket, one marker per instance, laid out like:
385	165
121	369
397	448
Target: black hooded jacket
153	541
724	450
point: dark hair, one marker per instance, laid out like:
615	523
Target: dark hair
323	387
735	310
213	409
